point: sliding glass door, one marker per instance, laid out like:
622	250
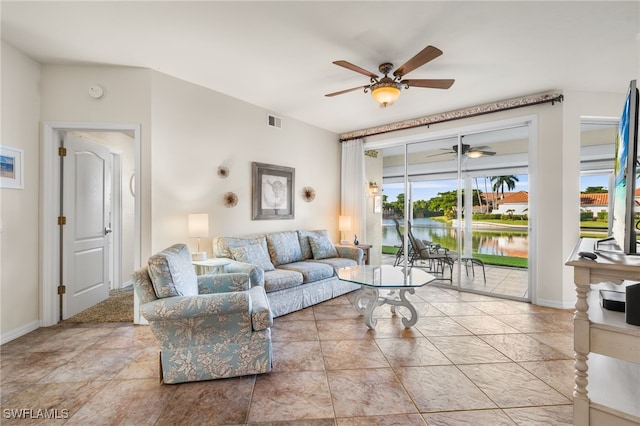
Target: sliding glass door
464	198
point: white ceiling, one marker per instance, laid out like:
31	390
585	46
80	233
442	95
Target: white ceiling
278	55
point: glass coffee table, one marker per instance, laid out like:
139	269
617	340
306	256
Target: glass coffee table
382	285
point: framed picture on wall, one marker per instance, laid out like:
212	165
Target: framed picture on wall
272	192
11	167
377	203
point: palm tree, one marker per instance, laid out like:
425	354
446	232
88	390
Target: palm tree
499	182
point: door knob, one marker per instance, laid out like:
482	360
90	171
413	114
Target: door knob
107	231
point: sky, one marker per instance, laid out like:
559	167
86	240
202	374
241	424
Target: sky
428	189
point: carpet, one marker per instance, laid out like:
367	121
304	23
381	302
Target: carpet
117	308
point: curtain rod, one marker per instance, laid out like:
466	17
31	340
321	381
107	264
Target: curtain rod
553	97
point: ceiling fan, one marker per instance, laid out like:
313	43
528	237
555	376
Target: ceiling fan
386	90
469	151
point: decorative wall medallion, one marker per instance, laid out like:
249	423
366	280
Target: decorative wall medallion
308	194
223	172
230	199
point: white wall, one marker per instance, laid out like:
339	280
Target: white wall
19	290
195	130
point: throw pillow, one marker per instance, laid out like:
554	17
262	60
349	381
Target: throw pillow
254	254
322	247
172	273
303	238
284	247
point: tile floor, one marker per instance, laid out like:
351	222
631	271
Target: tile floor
470	360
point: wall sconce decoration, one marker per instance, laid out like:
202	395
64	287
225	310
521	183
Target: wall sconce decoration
374	188
308	194
198	224
223	172
230	199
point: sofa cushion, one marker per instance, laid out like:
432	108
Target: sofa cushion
311	271
172	273
284	247
222	245
322	247
280	279
254	254
337	262
303	238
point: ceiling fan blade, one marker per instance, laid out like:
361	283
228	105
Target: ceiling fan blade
442	153
346	91
350	66
427	54
431	83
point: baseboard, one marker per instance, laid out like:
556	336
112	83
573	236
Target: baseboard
18	332
554	304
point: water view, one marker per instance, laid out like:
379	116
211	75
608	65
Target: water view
497	241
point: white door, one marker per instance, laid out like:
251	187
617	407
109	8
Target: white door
86	205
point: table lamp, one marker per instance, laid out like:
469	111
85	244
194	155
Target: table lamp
344	225
198	228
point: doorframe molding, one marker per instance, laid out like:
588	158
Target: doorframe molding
50	207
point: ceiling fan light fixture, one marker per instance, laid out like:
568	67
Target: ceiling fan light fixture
385	92
474	154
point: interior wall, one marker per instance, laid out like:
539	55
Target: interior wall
65	98
196	130
19	225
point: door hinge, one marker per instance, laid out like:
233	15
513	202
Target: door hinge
62	220
62	289
62	151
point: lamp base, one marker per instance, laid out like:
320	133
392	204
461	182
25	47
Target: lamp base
199	256
345	242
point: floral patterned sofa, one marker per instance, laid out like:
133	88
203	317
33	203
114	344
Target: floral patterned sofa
210	326
296	268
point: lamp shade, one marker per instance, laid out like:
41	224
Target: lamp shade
198	225
344	223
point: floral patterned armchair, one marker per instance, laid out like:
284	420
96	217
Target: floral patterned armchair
209	326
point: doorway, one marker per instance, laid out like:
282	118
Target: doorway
124	143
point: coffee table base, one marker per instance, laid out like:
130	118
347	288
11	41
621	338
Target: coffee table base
369	298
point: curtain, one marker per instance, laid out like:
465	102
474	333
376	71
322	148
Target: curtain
353	187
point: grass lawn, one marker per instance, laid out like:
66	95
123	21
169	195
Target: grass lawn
488	259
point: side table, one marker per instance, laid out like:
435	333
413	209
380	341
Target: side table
210	266
366	248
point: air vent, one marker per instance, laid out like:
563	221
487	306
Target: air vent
273	121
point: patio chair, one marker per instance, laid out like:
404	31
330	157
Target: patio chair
437	262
